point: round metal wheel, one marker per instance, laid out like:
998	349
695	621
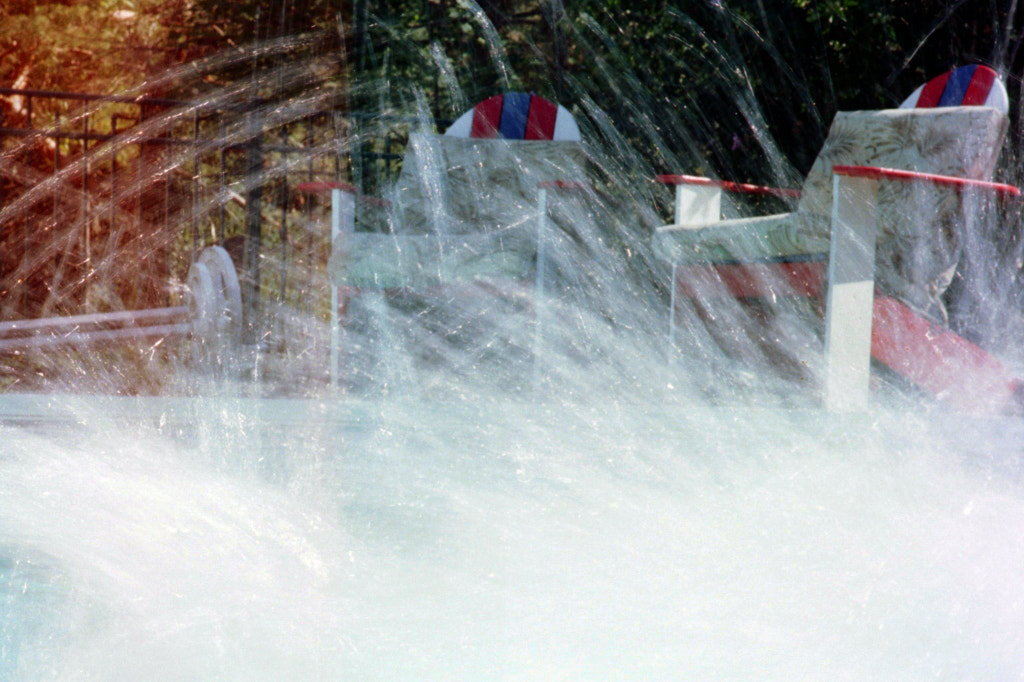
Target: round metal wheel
225	284
203	301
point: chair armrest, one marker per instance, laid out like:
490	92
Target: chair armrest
738	187
564	184
878	173
325	187
784	236
699	200
587	188
850	335
373	260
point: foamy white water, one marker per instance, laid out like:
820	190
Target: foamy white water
504	540
622	518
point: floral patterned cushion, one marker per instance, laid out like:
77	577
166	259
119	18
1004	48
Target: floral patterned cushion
466	185
462	209
422	261
744	240
918	235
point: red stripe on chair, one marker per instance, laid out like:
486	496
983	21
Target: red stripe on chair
937	360
981	85
739	187
540	125
751	280
486	117
932	92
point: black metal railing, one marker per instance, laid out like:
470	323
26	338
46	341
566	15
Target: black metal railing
104	198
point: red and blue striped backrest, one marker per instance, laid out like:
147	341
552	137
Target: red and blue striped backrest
516	116
973	85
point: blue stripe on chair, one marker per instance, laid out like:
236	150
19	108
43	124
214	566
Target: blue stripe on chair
956	88
514	114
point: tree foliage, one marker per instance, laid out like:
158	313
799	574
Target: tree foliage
727	66
99	45
733	72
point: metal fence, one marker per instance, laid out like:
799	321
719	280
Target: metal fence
105	200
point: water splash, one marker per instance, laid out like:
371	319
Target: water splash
631	516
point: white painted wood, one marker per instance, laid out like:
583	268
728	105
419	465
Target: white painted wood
539	304
343	222
672	302
463	125
697	204
851	286
343	212
565	126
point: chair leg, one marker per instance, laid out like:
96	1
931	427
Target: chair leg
343	211
851	289
694	204
335	368
672	317
539	305
697	204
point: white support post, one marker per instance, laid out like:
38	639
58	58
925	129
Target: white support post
539	302
343	208
672	313
851	288
696	204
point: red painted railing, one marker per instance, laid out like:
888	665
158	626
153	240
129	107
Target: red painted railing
877	173
727	185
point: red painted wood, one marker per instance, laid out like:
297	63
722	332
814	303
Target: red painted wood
540	124
751	280
876	173
956	371
932	91
939	361
323	186
980	87
726	185
487	117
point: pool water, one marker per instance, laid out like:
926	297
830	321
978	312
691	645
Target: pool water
505	539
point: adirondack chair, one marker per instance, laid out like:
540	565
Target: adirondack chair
878	244
462	218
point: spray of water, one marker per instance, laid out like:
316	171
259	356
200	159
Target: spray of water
469	507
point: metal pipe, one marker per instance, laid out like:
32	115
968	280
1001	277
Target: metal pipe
97	336
149	316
